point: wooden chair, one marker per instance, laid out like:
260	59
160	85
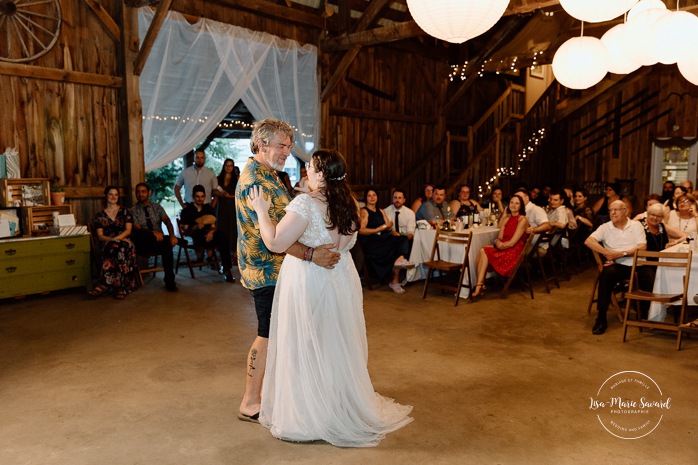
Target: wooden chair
661	259
436	262
186	244
523	261
549	240
618	294
144	266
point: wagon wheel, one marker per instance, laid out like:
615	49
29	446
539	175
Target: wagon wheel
28	28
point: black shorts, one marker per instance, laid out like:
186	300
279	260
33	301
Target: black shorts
263	299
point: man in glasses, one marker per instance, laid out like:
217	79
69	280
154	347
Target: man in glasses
616	241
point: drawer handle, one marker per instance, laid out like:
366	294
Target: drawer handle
11	269
70	245
10	251
70	262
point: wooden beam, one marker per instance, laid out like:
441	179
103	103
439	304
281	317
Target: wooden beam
151	35
370	13
140	3
107	21
272	10
379	35
503	34
52	74
517	7
381	115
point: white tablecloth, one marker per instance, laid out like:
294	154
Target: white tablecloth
424	240
670	280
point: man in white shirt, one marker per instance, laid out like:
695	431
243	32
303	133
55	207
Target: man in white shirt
403	218
557	214
195	175
620	237
536	216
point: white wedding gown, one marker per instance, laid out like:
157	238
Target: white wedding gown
316	384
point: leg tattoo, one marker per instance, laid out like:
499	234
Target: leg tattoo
253	359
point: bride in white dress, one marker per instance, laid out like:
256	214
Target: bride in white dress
316	384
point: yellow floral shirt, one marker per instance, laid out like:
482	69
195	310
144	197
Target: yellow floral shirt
258	266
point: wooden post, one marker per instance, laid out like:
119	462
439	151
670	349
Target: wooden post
131	114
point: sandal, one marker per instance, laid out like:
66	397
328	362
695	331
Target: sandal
98	290
403	263
475	294
120	295
396	288
691	324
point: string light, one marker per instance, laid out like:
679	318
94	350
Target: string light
458	70
222	124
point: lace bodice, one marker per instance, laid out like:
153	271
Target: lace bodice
314	210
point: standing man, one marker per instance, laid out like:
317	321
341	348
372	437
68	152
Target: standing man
147	234
271	143
195	175
620	237
404	220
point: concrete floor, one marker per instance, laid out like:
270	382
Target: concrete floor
156	379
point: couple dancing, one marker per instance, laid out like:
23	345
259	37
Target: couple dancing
313	354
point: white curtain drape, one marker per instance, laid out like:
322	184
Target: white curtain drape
195	73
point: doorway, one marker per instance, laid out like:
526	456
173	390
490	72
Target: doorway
673	162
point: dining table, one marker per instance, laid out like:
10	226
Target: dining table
669	280
423	242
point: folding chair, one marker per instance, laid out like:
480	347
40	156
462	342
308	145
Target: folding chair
523	260
549	240
618	290
144	266
661	259
442	240
186	244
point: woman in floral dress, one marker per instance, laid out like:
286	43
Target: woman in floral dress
118	268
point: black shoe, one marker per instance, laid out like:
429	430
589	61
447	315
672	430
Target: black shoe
172	287
229	277
599	327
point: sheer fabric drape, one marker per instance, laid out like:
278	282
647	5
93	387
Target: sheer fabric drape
195	73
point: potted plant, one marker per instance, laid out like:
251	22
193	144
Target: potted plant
57	195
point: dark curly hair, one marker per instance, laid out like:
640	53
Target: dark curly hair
342	212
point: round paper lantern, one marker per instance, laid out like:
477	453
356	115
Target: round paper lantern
644	5
637	36
618	63
674	37
689	69
456	20
580	63
595	11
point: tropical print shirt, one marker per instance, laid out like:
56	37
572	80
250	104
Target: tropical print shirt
258	266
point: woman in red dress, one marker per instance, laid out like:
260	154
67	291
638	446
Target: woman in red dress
502	256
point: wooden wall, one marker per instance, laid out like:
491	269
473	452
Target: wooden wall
68	132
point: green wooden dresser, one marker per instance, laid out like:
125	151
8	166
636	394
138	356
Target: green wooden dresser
42	264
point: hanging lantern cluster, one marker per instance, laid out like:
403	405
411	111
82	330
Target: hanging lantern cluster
651	34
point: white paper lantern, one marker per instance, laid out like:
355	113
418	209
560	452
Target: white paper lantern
637	36
674	37
618	63
689	69
456	20
595	11
580	63
644	5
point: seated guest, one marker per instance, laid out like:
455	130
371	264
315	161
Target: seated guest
404	222
386	253
536	216
620	237
508	246
566	195
667	192
147	234
673	202
659	235
428	192
649	200
497	204
583	213
199	222
557	212
688	186
612	193
684	218
464	205
434	208
118	267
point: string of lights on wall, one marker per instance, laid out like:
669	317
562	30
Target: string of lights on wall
222	124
